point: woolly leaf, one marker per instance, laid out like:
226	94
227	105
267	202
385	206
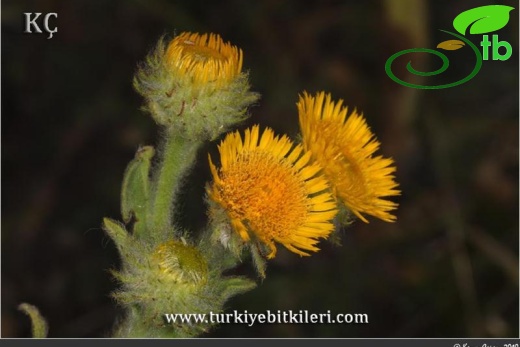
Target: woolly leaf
136	189
40	327
116	231
236	285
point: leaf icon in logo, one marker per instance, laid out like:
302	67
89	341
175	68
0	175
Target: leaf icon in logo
483	19
451	45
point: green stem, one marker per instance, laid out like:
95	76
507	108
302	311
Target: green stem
178	156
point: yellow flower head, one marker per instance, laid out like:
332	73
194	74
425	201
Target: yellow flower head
344	147
180	262
204	58
272	192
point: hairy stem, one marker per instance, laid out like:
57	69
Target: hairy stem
178	155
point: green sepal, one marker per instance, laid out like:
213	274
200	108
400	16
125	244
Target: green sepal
40	328
258	261
235	285
135	192
116	231
343	219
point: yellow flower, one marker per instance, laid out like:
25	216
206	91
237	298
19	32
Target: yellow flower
180	262
204	58
345	148
272	192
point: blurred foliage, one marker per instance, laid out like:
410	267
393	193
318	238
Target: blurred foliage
71	122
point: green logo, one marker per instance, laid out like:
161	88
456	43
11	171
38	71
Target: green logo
479	20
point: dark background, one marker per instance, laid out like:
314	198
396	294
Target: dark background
71	122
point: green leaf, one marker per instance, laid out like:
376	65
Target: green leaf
135	192
39	324
232	286
116	231
483	19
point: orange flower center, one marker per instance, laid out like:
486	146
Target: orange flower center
265	194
